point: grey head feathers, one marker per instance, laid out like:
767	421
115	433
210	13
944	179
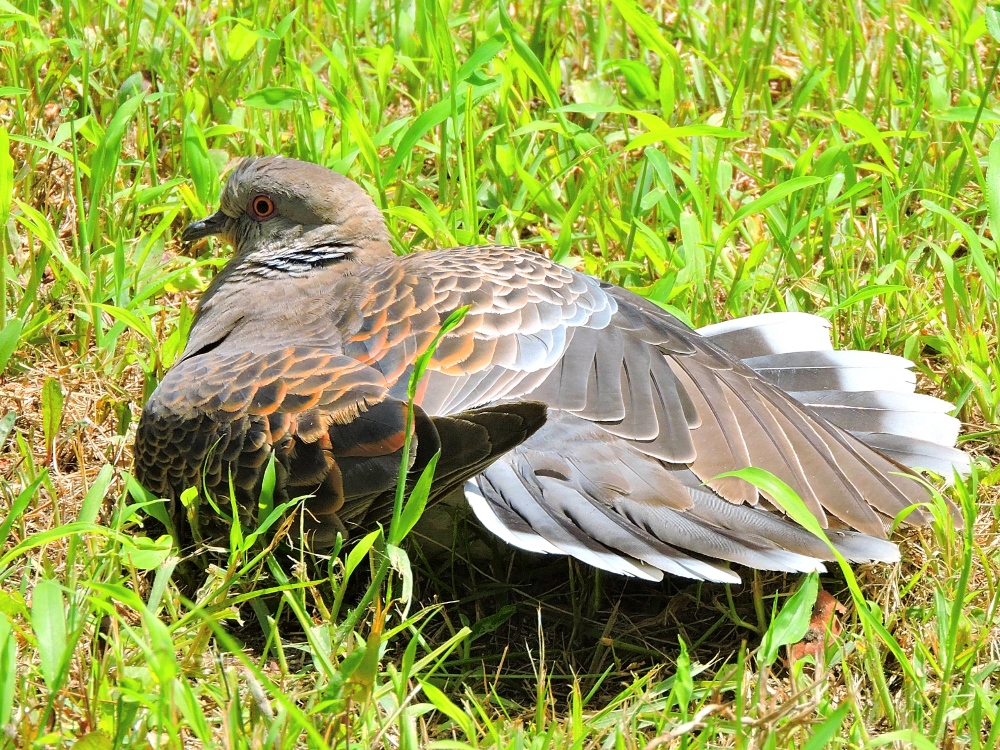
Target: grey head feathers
295	228
285	216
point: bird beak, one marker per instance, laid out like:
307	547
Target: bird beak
214	224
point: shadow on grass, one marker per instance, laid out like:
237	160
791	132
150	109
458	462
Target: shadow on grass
596	627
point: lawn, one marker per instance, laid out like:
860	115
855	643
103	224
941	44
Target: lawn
719	158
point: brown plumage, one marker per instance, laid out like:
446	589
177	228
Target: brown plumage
586	417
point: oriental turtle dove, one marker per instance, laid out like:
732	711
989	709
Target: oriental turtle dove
580	418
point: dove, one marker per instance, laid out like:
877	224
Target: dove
576	417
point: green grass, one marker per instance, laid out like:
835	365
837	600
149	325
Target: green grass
720	158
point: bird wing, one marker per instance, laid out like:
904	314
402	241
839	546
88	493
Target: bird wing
222	411
538	331
278	378
329	419
608	504
574	489
639	387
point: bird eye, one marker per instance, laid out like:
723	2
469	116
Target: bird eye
261	207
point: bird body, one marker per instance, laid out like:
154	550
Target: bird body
581	418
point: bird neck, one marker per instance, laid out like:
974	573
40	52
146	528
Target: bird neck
307	250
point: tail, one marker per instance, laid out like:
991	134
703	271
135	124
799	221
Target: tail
869	394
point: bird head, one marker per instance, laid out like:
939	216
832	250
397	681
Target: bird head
274	206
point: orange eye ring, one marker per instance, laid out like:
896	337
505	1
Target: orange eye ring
262	207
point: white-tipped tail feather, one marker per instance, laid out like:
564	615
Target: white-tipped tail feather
835	371
770	333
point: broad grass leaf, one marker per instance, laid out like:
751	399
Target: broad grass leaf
129	318
483	54
8	669
593	108
240	41
274	515
237	540
10	337
905	738
145	500
47	147
353	124
778	192
856	121
421	362
566	235
417	218
9	12
177	340
967	115
21	502
131	86
491	622
48	621
85	127
199	164
646	28
792	621
775	194
443	703
667	90
52	412
164	573
416	502
867	292
594	91
6	180
94	498
350	663
987	271
420	365
660	131
683	687
96	740
265	501
105	160
66	531
357	554
148	554
530	63
441	651
429	119
785	498
992	195
363	676
41	226
695	255
821	735
274	97
639	78
160	653
12	605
